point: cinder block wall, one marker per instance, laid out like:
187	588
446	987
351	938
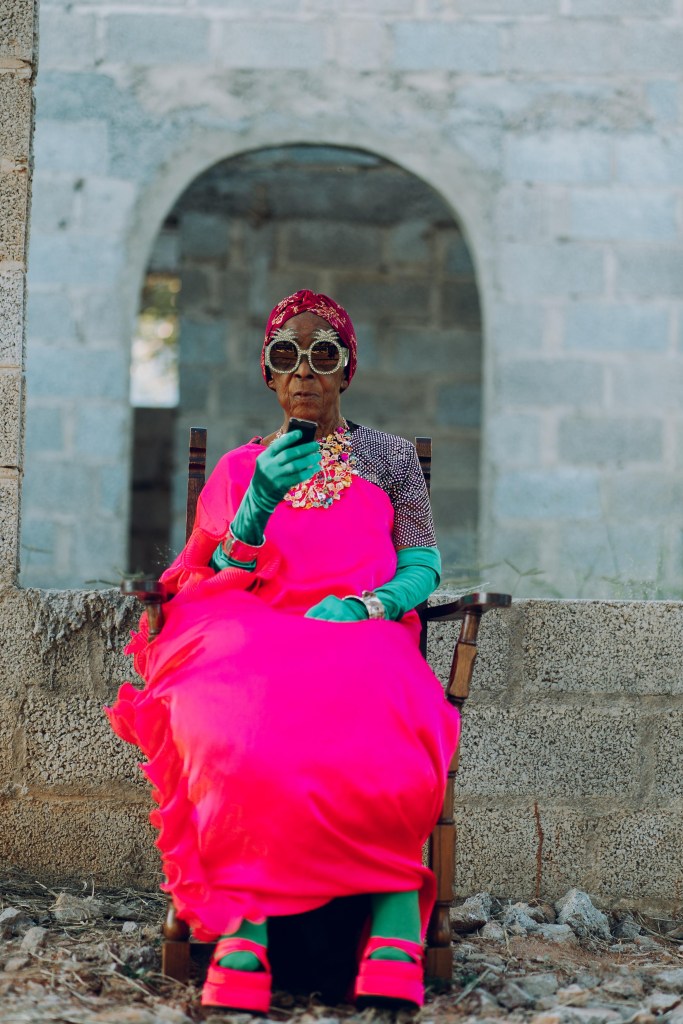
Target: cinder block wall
551	128
573	732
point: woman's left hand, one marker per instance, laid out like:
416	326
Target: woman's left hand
333	609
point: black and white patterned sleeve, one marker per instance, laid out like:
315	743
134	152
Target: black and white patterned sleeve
413	521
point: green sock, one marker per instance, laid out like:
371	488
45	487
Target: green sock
246	961
395	915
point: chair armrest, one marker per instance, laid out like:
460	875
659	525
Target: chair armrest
477	603
153	594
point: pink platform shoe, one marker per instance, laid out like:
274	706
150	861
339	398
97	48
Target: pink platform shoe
391	979
239	990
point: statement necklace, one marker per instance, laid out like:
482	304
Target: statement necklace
337	467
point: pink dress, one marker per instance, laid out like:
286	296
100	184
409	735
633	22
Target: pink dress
292	760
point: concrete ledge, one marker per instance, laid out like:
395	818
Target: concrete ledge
572	735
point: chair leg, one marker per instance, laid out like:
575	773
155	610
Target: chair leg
442	862
175	946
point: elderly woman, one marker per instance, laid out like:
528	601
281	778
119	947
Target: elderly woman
297	742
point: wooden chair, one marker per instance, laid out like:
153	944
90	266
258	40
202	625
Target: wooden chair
176	948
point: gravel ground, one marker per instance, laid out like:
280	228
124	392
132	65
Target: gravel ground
74	957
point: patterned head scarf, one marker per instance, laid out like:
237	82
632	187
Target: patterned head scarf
306	301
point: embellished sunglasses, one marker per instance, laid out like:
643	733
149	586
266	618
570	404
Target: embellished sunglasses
325	355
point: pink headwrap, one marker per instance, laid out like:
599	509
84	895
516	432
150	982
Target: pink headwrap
307	301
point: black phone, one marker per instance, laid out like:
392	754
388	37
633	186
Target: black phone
307	428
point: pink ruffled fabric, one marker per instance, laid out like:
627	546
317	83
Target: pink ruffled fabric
291	760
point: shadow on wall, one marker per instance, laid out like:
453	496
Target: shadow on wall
379	240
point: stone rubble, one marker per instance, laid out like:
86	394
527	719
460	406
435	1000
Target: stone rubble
85	965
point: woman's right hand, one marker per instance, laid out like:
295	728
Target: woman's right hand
284	464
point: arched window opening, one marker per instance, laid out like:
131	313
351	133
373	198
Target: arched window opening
256	227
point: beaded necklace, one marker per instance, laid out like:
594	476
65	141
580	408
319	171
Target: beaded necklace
337	467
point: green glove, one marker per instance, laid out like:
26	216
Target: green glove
280	467
418	571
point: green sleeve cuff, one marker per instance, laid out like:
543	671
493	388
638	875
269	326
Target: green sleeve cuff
429	557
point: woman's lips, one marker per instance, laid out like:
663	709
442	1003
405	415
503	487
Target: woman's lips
305	395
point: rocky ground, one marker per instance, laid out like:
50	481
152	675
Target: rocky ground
75	957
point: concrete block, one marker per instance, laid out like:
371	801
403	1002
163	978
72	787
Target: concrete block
531	751
516	327
52	204
598	440
71	746
603	647
648	47
458	549
9	526
622	215
106	205
593	327
504	7
459	405
535	271
11	317
544	383
419	349
101	549
515	438
360	44
14	223
511	550
79	147
663	99
446	46
102	430
646	159
410	242
668	728
333	245
276	43
558	158
483	832
493	664
165	255
17	29
563	494
554	47
525	213
645	495
378	6
49	316
155	39
646	384
67	39
59	484
203	236
398	298
455	510
203	344
73	259
103	318
10	424
15	117
44	429
460	304
39	538
72	373
620	8
194	388
110	841
638	854
377	400
647	272
612	559
450	451
112	487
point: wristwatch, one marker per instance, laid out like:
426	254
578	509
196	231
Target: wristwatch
373	604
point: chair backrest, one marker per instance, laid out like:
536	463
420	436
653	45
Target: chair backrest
197	470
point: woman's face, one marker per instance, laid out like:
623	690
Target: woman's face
304	393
